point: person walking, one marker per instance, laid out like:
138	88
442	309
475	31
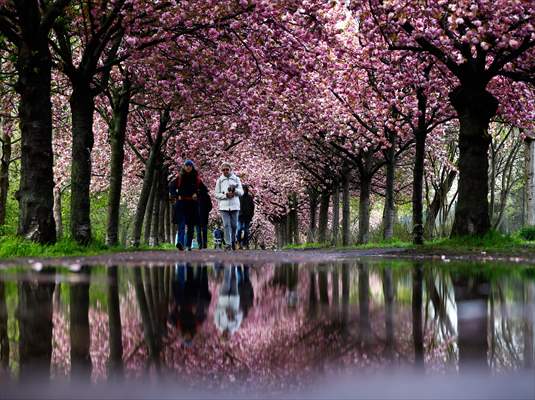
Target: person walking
245	217
185	191
228	189
205	206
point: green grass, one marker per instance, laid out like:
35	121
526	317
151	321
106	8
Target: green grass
492	242
12	246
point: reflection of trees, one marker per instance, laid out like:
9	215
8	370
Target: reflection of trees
529	319
417	320
312	294
35	324
323	285
388	292
471	297
115	361
79	325
4	339
152	293
364	304
345	296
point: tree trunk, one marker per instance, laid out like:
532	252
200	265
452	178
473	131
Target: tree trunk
324	217
35	194
417	189
417	319
58	218
389	213
34	313
82	108
5	141
439	199
475	108
147	225
336	216
115	360
150	166
79	327
4	338
155	228
530	181
471	297
313	208
364	209
168	230
388	292
117	134
346	211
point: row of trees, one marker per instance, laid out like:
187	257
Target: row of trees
309	99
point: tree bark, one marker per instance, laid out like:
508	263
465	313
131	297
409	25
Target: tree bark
346	210
323	217
117	134
530	181
58	218
475	108
5	140
364	209
417	188
336	216
147	225
389	210
439	198
34	313
155	228
79	327
35	194
417	319
82	108
313	208
115	360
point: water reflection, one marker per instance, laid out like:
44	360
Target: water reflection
225	324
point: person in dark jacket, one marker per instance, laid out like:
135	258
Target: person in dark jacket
245	217
205	206
185	191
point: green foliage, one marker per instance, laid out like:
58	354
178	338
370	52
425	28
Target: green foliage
12	246
493	240
527	233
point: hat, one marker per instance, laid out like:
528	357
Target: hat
189	163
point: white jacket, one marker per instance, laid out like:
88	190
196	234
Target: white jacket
221	189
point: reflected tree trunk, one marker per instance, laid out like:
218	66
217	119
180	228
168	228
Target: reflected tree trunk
323	286
4	339
471	297
388	292
34	313
336	286
417	317
115	360
529	319
345	295
79	326
364	304
312	294
148	331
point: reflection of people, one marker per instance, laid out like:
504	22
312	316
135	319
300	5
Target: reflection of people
245	289
228	314
228	189
191	300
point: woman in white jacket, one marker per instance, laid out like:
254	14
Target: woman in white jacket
228	189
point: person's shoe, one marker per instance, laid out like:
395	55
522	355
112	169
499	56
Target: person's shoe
228	247
179	246
188	248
